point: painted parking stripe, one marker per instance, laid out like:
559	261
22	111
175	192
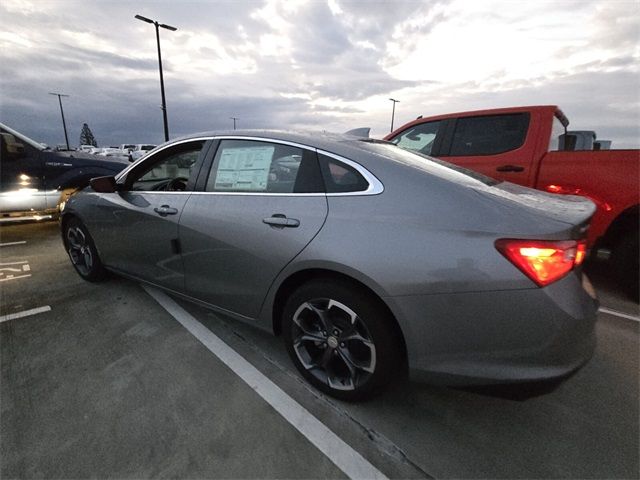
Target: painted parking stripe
12	277
8	244
619	314
354	465
26	313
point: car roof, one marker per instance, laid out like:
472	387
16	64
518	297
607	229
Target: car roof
338	143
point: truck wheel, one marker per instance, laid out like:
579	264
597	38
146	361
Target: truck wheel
626	263
82	251
341	339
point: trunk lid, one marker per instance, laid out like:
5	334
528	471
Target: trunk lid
572	210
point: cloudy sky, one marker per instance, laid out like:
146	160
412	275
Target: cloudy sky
313	64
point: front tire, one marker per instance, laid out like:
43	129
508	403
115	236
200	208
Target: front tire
342	339
82	251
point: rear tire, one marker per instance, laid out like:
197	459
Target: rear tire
626	263
82	251
342	339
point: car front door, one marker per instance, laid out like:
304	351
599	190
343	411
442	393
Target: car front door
21	186
138	225
261	204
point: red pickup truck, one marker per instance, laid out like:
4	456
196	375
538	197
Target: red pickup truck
532	147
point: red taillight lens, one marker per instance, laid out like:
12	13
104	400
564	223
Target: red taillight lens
543	261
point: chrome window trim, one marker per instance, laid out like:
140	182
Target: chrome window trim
262	194
375	186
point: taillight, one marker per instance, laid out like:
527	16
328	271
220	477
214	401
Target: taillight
543	261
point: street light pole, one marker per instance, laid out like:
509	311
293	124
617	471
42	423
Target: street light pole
234	121
164	101
64	124
393	112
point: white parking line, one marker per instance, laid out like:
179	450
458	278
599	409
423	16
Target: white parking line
26	313
354	465
9	271
619	314
8	244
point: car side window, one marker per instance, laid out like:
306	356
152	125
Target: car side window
419	138
489	135
340	177
252	166
168	170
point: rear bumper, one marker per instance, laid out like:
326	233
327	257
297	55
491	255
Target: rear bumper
497	337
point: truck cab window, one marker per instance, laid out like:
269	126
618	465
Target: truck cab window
419	138
489	135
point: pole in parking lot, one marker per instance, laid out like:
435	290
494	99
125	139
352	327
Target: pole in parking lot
164	102
393	112
64	124
234	121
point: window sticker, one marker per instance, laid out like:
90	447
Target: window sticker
244	169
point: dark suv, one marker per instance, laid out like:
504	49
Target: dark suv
35	180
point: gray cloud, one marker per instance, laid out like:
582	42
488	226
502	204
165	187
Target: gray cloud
106	60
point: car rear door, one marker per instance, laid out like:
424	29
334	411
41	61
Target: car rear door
138	225
258	205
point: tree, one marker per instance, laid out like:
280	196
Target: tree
86	137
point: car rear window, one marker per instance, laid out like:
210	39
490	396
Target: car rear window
431	165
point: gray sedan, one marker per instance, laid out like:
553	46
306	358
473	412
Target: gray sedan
369	260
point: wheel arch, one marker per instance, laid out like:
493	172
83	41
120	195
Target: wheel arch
627	221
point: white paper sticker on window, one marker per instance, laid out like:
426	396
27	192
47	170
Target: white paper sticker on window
245	169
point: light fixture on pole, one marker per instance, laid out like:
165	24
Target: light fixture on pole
234	121
393	112
64	124
164	102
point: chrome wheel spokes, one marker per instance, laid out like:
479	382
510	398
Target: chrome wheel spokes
333	343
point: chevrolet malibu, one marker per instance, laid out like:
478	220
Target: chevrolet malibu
369	260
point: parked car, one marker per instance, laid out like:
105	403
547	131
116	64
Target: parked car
140	150
368	259
127	147
531	146
114	152
35	180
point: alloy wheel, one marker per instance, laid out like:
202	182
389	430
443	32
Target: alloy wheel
333	344
79	250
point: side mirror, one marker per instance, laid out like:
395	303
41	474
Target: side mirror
103	184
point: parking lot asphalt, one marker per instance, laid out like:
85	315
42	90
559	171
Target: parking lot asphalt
102	381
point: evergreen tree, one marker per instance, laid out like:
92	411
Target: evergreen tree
86	137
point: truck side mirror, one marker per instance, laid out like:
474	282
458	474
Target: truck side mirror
103	184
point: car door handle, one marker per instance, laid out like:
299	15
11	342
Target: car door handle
281	221
165	210
510	168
